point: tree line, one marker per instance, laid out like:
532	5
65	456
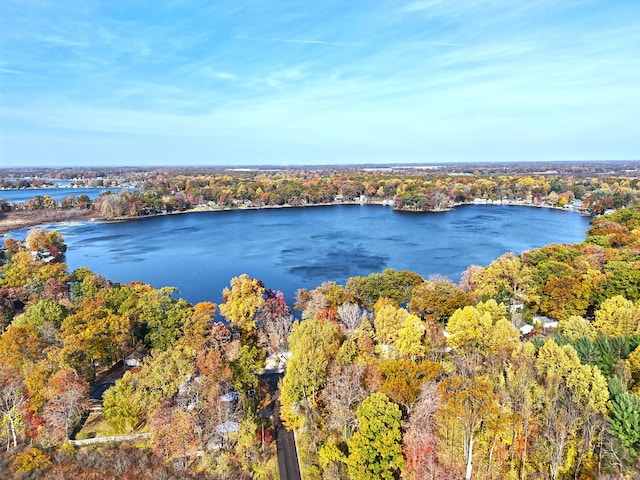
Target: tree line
163	191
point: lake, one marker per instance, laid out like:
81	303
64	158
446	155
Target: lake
291	248
59	193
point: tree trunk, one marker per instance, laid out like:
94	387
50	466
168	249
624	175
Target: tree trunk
525	442
13	430
493	446
469	458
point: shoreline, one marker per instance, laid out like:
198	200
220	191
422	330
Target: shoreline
24	219
19	219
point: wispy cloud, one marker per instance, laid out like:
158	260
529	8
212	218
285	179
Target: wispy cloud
223	76
288	40
421	5
62	41
443	44
11	71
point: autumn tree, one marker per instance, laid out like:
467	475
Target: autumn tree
12	300
332	461
622	278
402	379
245	366
618	316
469	402
67	399
277	332
633	366
388	319
121	405
163	373
196	325
389	284
202	399
521	397
32	461
39	240
577	388
25	271
575	327
12	400
22	346
565	297
85	284
171	432
588	388
311	302
351	315
46	315
420	441
560	421
275	321
163	315
313	344
93	333
504	279
111	205
342	394
438	298
375	450
469	330
555	362
241	303
410	341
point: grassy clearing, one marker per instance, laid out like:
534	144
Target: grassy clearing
95	426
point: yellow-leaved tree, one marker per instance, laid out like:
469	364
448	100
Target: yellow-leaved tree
618	317
242	301
576	327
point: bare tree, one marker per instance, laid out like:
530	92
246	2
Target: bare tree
310	302
68	400
12	399
278	331
112	205
351	315
421	436
561	422
594	426
342	394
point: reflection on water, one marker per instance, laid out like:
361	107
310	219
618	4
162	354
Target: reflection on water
300	248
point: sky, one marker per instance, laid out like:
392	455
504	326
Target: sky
128	82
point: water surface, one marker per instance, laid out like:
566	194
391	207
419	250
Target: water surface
59	193
291	248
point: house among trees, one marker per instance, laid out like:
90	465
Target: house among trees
526	329
548	324
134	359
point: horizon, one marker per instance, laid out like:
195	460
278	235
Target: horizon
340	166
426	82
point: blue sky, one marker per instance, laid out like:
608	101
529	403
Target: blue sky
126	82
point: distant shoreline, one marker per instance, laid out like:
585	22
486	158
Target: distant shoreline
19	219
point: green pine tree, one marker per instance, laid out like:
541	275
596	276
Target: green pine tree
625	420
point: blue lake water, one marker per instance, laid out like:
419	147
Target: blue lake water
292	248
57	194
